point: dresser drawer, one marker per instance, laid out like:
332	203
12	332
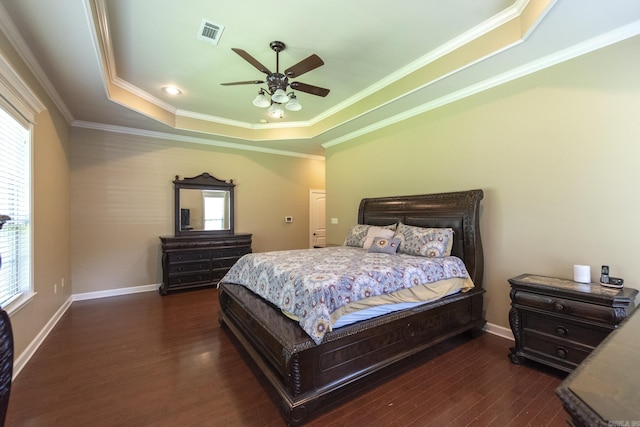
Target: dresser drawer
567	307
185	267
217	275
180	280
564	329
230	252
558	351
188	256
224	262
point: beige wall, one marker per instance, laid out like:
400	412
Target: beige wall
557	156
51	255
122	201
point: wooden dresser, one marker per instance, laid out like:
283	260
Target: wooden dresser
199	261
559	322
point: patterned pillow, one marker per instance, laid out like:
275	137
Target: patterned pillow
385	245
358	234
428	242
376	232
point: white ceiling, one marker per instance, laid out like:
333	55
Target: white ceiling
104	62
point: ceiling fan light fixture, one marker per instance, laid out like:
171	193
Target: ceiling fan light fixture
276	111
261	100
293	104
280	96
277	83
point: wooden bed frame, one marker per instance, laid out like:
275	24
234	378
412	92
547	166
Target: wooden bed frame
307	376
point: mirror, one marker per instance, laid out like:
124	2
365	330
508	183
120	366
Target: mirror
203	205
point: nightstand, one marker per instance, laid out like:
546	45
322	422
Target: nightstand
559	322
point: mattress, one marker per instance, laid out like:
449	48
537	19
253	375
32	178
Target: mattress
317	287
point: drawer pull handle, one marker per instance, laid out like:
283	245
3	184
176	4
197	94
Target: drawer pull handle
179	257
179	269
562	331
562	352
559	307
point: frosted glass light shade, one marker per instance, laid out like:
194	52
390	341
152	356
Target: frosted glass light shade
293	104
261	101
279	96
276	111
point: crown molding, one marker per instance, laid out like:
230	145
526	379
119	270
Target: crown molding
17	41
189	139
572	52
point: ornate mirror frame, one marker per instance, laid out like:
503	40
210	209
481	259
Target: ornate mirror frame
201	184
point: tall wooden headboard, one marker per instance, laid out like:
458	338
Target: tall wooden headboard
458	210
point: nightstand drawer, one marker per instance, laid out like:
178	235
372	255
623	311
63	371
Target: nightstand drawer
564	329
558	351
566	307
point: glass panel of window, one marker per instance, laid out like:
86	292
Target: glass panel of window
15	191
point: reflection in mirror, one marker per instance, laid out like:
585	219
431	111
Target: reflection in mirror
204	209
204	205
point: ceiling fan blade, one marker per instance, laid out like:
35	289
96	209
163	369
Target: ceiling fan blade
248	82
313	90
251	60
304	66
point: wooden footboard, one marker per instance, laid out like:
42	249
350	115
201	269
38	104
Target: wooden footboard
306	376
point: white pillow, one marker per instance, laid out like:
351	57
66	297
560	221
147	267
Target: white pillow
374	232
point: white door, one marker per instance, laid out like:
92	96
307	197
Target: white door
317	223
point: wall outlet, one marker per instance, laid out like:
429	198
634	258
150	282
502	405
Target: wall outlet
288	219
334	220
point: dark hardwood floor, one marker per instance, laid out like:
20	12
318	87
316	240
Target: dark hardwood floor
147	360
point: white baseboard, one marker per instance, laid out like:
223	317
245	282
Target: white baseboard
28	353
114	292
500	331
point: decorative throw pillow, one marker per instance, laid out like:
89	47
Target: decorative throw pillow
428	242
358	233
385	245
376	232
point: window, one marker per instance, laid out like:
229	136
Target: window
15	196
18	109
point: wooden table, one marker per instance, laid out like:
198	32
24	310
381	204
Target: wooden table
605	389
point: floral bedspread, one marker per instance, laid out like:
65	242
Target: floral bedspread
312	283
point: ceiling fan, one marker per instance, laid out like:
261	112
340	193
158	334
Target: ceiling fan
277	83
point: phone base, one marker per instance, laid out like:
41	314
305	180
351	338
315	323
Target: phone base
611	285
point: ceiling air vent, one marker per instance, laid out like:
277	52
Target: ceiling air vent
210	31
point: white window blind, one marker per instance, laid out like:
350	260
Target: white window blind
15	199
